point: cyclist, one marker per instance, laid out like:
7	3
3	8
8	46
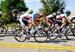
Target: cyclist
72	18
24	18
59	18
1	21
1	13
65	19
50	19
35	15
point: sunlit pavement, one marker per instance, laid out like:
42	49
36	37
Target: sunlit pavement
3	49
9	44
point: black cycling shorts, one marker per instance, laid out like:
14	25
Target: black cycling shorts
25	21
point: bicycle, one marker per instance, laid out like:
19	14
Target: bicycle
21	35
3	28
55	32
70	32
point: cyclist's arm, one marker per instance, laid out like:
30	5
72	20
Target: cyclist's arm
68	20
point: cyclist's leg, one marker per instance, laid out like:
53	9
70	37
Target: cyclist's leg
63	23
52	23
31	24
47	20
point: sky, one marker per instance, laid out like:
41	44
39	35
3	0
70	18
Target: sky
35	5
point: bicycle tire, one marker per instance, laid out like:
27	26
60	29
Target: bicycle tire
73	31
19	35
54	34
40	34
3	30
68	35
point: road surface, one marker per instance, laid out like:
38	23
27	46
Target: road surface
9	44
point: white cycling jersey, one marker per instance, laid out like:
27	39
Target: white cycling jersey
22	16
61	16
50	16
58	16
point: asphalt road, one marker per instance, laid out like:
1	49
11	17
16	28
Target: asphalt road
9	39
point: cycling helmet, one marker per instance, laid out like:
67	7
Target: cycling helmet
58	12
68	12
37	12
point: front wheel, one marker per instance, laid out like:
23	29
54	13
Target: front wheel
73	31
69	34
40	36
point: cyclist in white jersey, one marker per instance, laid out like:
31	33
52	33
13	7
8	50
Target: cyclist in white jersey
50	19
24	18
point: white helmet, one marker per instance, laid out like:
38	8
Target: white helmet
37	12
58	12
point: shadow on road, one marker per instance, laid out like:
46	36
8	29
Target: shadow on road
48	41
51	41
1	39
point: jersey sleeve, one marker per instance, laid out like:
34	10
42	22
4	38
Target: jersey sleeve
65	15
49	16
33	16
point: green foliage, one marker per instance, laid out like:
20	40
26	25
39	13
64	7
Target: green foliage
8	5
50	6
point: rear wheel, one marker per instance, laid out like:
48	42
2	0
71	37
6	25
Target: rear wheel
19	35
15	27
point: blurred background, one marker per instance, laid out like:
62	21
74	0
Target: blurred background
10	8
